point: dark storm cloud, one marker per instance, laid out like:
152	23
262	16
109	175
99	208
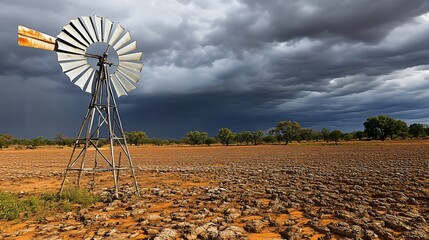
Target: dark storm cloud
257	22
288	56
238	64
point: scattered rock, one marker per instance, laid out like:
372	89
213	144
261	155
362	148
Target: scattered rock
360	189
166	234
255	226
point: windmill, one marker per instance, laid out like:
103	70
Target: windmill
90	72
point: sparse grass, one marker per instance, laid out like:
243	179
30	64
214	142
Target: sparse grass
13	206
9	206
79	196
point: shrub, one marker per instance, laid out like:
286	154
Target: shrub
13	206
9	206
79	196
211	140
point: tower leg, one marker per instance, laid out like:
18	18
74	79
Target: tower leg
111	134
126	149
76	144
87	137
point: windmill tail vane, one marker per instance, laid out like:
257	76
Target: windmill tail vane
101	122
28	37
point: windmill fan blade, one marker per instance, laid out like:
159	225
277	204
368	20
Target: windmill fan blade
66	38
82	80
118	31
125	83
88	88
67	48
108	25
98	27
75	72
126	38
118	88
130	47
87	20
69	57
72	32
131	57
28	37
130	75
66	66
81	29
131	66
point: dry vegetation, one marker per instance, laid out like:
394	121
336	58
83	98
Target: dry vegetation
365	190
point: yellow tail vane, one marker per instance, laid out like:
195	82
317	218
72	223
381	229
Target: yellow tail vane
28	37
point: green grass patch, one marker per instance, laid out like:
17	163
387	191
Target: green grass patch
9	206
79	196
13	206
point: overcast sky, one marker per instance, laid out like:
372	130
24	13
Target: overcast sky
244	65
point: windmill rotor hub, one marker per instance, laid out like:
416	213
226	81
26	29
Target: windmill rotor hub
82	34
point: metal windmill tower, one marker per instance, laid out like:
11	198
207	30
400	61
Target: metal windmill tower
101	122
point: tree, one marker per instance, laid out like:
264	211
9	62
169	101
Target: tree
203	137
359	135
210	141
158	142
257	137
225	136
347	136
316	135
335	136
6	140
417	130
27	143
287	130
59	139
372	128
325	134
38	141
68	141
274	134
3	142
244	137
426	127
136	137
269	139
382	126
400	129
304	134
196	137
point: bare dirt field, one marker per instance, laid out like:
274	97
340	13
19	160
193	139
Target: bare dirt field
365	190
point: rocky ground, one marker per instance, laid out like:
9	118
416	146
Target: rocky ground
367	190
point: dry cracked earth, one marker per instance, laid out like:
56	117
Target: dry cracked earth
365	190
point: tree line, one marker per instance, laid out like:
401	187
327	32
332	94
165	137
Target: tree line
379	127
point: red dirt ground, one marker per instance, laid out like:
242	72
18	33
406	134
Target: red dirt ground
184	167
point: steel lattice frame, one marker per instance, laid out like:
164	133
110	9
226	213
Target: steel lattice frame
102	108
